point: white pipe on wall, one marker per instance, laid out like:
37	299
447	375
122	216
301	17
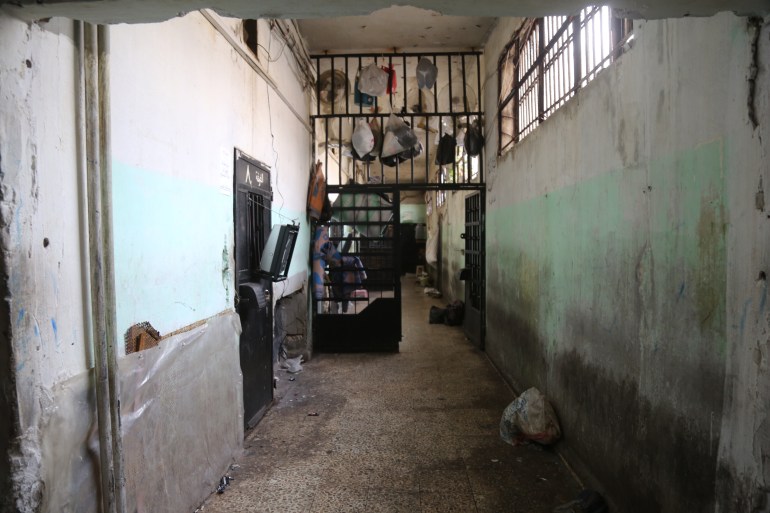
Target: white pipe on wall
80	119
95	130
93	168
108	252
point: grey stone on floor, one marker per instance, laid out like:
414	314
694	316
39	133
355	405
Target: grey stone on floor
412	432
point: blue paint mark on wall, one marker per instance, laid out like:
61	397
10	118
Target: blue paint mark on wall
21	316
744	313
55	332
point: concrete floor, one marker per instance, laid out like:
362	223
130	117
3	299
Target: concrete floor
410	432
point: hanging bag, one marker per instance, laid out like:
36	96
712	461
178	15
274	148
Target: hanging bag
392	79
474	141
373	80
445	154
316	191
363	138
360	98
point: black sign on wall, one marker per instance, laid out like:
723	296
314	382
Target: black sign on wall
253	197
252	174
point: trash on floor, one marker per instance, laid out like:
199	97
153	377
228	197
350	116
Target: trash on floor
292	378
224	483
292	365
437	315
529	417
588	501
452	315
432	292
455	311
313	414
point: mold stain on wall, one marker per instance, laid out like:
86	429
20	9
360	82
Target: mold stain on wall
598	286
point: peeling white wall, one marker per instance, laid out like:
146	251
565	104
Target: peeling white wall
182	100
40	201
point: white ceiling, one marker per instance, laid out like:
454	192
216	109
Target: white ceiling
400	27
136	11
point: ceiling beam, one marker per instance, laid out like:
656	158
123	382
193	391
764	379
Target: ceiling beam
144	11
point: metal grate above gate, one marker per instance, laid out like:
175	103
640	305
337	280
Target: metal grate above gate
450	107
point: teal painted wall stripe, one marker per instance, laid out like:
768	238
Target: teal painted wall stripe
596	246
173	238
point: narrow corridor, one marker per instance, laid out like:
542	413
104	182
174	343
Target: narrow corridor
410	432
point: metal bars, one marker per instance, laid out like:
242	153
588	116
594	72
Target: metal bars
449	107
473	249
548	60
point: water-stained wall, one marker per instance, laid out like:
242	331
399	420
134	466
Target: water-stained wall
624	260
183	97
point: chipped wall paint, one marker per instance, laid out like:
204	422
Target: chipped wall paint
41	240
183	99
623	261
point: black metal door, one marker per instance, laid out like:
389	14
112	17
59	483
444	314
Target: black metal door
254	298
474	254
256	348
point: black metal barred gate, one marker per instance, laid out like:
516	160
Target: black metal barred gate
360	307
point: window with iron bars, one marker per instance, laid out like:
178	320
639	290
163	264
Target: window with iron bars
548	60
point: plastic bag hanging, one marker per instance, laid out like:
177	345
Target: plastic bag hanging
363	138
403	131
373	80
426	73
374	124
360	98
398	137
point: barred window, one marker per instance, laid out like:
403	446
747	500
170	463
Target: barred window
548	60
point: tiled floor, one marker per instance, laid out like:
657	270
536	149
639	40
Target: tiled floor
410	432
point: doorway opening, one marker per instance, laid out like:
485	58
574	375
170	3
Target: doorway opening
253	198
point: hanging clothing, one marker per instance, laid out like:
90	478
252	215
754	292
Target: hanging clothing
347	278
324	252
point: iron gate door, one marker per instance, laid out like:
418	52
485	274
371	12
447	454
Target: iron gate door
254	292
472	324
357	274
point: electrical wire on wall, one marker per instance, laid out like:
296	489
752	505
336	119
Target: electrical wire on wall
272	133
278	212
